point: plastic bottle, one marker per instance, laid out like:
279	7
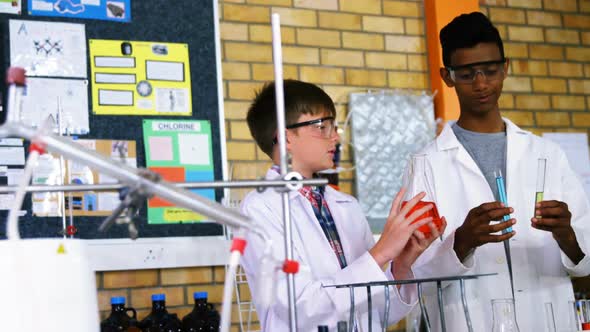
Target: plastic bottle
159	320
118	320
204	317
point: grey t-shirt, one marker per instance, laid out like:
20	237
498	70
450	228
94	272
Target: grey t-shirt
487	150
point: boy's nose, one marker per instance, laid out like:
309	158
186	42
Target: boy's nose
479	80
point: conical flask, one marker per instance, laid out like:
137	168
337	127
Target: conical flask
504	316
420	179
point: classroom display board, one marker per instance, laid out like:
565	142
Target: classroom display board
153	79
112	10
179	151
126	86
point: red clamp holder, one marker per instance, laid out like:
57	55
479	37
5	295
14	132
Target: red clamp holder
71	230
238	244
16	76
39	147
290	266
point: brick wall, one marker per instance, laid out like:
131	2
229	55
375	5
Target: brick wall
548	42
343	46
353	45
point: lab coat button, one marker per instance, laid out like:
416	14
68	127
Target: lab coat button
500	260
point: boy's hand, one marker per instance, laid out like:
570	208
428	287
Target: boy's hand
398	229
555	217
417	244
477	230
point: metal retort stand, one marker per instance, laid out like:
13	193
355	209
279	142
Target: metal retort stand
418	282
140	184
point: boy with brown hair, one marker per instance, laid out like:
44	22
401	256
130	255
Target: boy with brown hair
331	237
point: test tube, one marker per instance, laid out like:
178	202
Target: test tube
574	317
549	317
585	314
540	188
503	197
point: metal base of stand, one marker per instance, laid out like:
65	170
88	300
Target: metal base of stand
419	282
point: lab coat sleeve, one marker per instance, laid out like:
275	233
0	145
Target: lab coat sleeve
315	304
577	201
408	294
440	259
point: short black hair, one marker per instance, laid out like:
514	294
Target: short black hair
466	31
300	98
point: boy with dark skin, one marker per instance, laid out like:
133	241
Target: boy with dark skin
480	113
547	238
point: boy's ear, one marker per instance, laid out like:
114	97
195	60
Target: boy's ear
446	76
506	67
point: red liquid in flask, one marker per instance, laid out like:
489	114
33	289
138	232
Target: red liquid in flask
430	213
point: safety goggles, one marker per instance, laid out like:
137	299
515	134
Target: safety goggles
466	74
322	128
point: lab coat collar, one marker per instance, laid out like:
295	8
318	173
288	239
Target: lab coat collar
333	194
447	139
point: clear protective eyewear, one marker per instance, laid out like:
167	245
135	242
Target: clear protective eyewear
324	127
466	74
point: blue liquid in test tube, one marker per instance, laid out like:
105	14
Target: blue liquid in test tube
503	197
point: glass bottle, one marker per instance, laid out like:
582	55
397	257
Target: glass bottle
504	316
159	320
420	179
204	317
118	320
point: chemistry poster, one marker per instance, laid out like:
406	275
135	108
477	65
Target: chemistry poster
111	10
140	78
48	48
180	151
59	103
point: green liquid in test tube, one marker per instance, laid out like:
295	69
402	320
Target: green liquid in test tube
541	165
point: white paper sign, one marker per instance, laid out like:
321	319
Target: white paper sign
13	175
10	155
48	48
44	96
10	7
575	146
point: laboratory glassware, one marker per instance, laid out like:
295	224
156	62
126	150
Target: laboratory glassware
421	179
504	317
540	187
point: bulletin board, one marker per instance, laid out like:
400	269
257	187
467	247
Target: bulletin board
184	22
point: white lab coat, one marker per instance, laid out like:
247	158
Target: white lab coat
540	267
319	265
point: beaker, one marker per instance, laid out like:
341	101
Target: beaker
540	187
504	317
420	179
